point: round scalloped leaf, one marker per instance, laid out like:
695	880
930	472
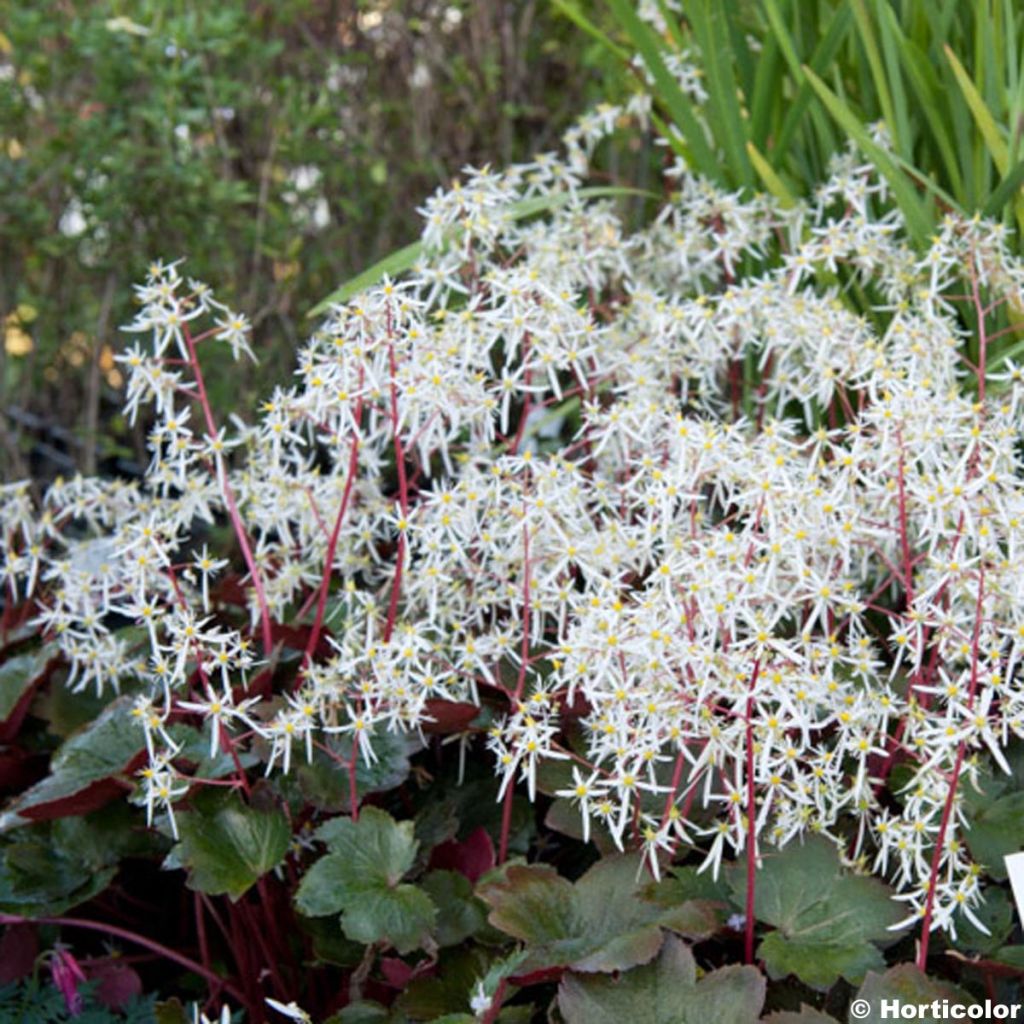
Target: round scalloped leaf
226	847
826	919
664	991
908	985
602	923
361	879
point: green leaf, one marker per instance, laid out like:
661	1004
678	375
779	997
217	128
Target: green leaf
708	19
40	879
918	221
395	263
402	916
826	919
533	904
983	119
376	846
17	674
404	259
91	756
805	1015
464	915
996	914
818	965
929	92
564	816
997	829
821	59
575	15
664	991
361	879
365	1011
228	846
1011	955
329	945
450	985
730	995
1006	191
908	985
602	923
324	783
775	185
867	35
667	90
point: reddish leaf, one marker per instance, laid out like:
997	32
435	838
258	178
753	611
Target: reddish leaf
579	708
473	857
261	685
20	769
541	977
86	771
230	591
296	638
397	973
92	797
19	946
448	716
11	723
118	983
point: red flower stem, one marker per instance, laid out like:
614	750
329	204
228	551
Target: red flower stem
748	924
982	338
223	734
204	946
506	810
947	810
353	791
332	543
229	499
677	777
129	936
524	654
403	488
524	413
496	1000
257	931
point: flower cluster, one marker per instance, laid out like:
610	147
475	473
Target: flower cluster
721	516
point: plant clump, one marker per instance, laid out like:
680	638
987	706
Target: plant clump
715	522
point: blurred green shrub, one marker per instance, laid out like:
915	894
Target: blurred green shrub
281	146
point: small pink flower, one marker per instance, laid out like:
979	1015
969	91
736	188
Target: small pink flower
66	976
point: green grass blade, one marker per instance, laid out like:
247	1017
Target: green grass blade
928	91
783	38
395	263
746	60
766	91
708	20
821	59
914	212
928	184
890	35
1005	192
404	259
675	32
580	20
867	38
983	119
1017	121
775	185
675	141
668	91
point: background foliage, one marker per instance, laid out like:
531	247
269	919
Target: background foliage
281	146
